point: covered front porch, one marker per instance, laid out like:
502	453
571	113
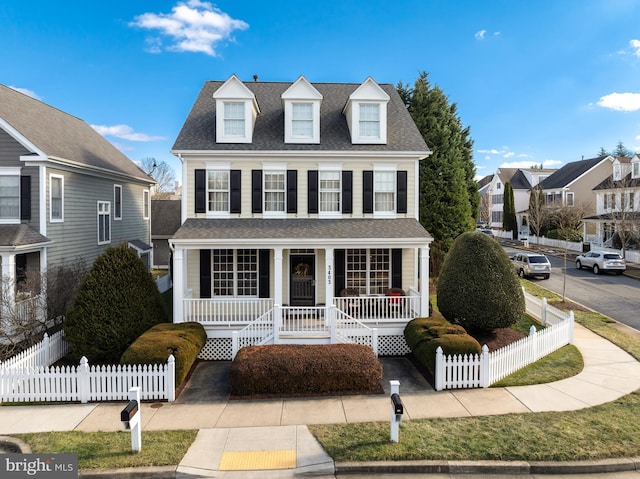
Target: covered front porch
305	275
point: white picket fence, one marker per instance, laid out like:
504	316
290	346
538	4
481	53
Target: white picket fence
473	370
29	377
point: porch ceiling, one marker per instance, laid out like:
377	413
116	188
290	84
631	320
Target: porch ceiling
404	231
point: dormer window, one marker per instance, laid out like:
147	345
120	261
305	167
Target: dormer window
366	112
617	171
236	112
301	103
635	168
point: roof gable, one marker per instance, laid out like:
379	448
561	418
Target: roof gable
301	90
570	173
369	90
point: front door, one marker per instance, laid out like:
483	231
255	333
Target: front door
302	285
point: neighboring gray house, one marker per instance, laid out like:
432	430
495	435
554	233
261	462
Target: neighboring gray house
65	191
165	221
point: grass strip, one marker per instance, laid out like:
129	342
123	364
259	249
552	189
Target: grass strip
112	450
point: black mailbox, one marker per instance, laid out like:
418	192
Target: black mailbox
128	412
398	408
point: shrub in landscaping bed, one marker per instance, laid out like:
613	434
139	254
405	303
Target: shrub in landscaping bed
183	340
424	335
289	369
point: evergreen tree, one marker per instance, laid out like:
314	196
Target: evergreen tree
509	222
449	198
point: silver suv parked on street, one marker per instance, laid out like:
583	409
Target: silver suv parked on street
531	264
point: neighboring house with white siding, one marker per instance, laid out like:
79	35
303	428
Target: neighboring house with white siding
299	201
65	191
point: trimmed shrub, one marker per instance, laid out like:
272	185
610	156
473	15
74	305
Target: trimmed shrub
183	340
116	302
290	369
477	287
424	335
565	235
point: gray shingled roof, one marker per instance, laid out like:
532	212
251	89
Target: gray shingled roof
570	172
199	129
292	229
165	217
20	235
60	135
626	182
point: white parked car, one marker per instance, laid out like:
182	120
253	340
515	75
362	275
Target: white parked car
601	261
531	264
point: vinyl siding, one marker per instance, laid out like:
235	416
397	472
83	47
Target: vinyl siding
77	236
10	150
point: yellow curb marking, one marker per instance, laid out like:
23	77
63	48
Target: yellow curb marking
258	460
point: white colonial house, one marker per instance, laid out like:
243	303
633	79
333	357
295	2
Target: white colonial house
300	216
617	202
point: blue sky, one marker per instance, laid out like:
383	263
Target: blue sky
538	81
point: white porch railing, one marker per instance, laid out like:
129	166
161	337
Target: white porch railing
470	371
380	309
225	312
258	332
351	331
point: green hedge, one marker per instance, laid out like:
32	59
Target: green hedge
183	340
425	335
290	369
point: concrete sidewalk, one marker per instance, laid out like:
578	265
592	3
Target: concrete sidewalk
270	435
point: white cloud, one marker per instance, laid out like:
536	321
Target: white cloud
192	26
529	164
26	91
480	35
621	101
635	45
124	132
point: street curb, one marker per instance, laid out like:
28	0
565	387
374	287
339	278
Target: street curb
154	472
489	467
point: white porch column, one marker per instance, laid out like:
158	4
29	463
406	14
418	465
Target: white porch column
9	276
424	280
178	285
277	276
328	261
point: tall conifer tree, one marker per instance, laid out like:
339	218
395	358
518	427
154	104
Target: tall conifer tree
509	222
449	198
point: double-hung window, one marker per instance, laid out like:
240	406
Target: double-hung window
369	120
218	191
629	201
235	272
104	222
146	205
570	198
117	202
302	120
384	191
609	201
635	169
56	198
368	270
329	190
234	119
274	191
9	195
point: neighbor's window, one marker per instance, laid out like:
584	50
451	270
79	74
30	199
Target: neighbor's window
569	199
117	202
146	205
234	272
635	169
234	119
329	189
104	222
218	190
9	198
368	270
56	198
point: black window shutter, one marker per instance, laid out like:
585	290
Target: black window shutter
256	191
25	198
312	201
292	191
201	191
235	184
401	185
367	191
205	273
396	268
347	191
263	273
339	271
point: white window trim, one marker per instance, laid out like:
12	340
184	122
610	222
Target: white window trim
385	169
115	215
635	169
381	139
98	214
273	168
12	172
221	167
330	169
289	136
51	218
146	212
221	136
